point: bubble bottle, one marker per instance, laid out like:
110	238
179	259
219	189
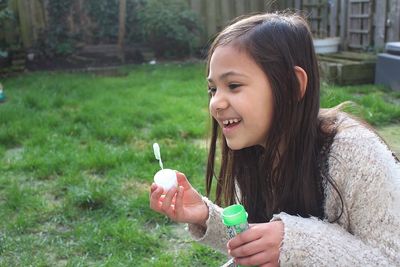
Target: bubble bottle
235	219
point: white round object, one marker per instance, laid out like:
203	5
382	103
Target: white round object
166	178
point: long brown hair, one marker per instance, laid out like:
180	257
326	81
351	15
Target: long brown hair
271	180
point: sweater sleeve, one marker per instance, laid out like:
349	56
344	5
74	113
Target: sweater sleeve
368	233
214	235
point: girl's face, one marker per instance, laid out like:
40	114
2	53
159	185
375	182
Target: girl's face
241	97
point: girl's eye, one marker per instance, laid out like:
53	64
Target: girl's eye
233	86
212	90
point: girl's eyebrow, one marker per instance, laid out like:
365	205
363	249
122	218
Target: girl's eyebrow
226	75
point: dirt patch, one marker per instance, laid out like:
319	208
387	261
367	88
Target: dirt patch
180	238
136	188
201	143
14	154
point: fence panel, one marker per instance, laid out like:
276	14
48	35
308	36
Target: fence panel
343	23
333	18
393	32
359	23
380	23
31	20
216	14
317	13
359	30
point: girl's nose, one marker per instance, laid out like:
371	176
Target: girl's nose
218	103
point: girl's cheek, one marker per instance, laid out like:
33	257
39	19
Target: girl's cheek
212	111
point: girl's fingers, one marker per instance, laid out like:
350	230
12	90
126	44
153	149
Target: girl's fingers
154	198
153	187
248	249
182	180
166	204
245	237
255	259
179	202
163	197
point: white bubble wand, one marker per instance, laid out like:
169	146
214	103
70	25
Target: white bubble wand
164	177
157	154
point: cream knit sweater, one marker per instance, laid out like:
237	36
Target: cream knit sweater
368	232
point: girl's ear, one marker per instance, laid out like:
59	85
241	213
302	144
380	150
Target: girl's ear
302	78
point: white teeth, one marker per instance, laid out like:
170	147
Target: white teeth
227	122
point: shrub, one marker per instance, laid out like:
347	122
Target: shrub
169	27
104	16
56	39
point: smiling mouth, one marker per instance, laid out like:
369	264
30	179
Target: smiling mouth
230	123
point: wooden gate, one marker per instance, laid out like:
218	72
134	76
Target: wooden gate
324	16
359	29
317	15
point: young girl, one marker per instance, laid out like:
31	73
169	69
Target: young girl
320	188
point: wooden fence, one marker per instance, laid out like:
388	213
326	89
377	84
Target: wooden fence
215	14
30	18
361	24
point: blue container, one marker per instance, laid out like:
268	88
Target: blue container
387	69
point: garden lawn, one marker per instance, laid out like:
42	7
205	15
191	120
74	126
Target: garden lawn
76	163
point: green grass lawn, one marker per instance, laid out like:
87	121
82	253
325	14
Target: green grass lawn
76	163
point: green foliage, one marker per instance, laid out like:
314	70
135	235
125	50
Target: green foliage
375	104
56	40
104	15
6	16
169	27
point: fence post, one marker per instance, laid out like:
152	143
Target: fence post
333	7
297	5
199	8
226	11
380	24
24	23
240	7
343	23
393	33
211	18
38	18
121	30
254	6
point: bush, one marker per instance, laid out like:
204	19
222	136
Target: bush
169	27
56	39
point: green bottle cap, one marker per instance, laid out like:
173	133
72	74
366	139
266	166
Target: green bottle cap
234	214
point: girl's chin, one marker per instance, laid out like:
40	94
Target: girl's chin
235	145
238	146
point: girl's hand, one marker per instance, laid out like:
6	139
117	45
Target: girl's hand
258	246
182	204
